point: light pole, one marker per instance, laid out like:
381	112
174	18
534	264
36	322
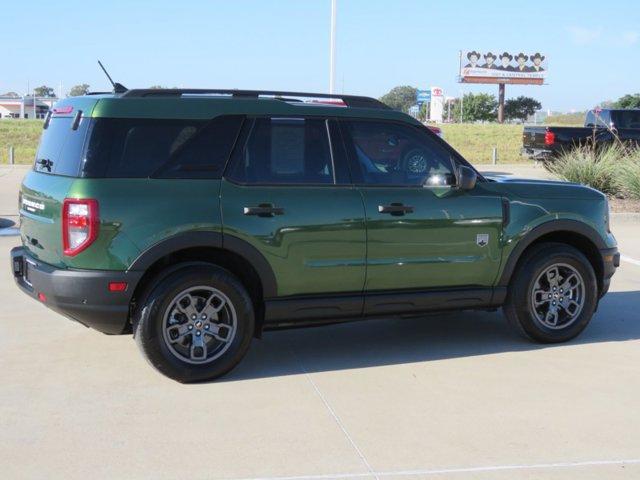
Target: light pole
332	55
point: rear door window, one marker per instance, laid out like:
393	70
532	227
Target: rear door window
285	151
60	150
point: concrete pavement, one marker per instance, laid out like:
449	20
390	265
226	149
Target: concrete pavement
445	396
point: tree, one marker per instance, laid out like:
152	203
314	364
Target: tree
400	98
628	101
11	95
521	108
79	90
479	107
44	91
156	87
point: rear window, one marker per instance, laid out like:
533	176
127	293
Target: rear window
135	148
60	150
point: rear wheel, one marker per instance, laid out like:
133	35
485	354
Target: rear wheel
553	294
195	324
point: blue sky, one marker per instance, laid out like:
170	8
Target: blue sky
593	48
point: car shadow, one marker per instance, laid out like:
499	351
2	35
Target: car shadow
382	342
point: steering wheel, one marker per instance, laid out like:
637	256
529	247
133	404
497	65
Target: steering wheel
415	161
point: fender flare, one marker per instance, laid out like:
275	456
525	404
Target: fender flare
570	226
217	240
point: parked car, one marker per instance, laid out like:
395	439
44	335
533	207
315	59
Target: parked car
601	127
197	219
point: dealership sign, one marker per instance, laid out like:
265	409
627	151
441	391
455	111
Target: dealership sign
423	96
505	67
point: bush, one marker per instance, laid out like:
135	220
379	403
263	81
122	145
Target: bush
602	169
631	176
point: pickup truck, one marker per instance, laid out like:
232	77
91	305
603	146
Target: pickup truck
600	128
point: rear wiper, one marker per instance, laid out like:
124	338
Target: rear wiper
45	163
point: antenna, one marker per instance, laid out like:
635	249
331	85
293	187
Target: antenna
117	87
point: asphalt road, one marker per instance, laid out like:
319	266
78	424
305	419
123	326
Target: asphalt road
444	397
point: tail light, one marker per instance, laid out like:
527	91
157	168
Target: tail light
549	138
79	224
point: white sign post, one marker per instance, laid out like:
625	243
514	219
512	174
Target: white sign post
437	105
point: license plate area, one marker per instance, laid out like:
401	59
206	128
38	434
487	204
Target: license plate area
26	272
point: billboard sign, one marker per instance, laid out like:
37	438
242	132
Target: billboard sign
423	96
505	67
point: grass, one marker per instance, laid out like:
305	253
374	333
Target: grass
614	170
23	135
566	119
474	141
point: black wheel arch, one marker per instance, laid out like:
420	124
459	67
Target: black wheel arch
571	232
227	251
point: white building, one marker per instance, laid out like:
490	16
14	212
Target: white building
25	107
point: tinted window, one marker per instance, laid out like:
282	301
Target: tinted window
60	150
133	148
626	119
285	151
388	153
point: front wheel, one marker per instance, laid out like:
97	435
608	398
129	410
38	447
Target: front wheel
195	324
553	294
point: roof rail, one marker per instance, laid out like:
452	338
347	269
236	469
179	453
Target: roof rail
349	100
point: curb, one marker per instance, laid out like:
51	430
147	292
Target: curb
627	217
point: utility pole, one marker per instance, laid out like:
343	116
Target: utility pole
332	55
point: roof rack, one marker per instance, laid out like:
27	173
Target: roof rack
353	101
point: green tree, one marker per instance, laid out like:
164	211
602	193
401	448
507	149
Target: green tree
521	108
479	107
400	98
79	90
44	91
628	101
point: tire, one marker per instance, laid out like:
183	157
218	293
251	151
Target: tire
165	328
532	314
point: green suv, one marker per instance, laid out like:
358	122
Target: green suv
196	219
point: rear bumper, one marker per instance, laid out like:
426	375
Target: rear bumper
536	153
610	261
80	295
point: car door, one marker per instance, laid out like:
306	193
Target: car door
422	231
288	193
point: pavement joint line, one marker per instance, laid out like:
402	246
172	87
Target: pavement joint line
624	258
453	471
335	416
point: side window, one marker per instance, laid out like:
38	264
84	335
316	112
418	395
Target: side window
135	148
393	154
205	154
285	151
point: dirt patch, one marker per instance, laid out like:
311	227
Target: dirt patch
624	205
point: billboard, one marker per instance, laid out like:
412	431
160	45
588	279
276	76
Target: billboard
505	67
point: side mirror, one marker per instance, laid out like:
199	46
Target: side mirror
466	178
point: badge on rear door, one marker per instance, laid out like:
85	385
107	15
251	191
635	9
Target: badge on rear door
482	239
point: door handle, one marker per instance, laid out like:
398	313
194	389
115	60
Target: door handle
396	209
263	210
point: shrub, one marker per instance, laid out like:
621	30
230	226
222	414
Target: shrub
602	169
631	175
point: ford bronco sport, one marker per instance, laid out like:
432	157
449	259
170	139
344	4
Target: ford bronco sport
196	219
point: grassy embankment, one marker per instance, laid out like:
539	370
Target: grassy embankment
23	135
474	141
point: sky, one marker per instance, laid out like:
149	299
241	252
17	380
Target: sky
592	48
